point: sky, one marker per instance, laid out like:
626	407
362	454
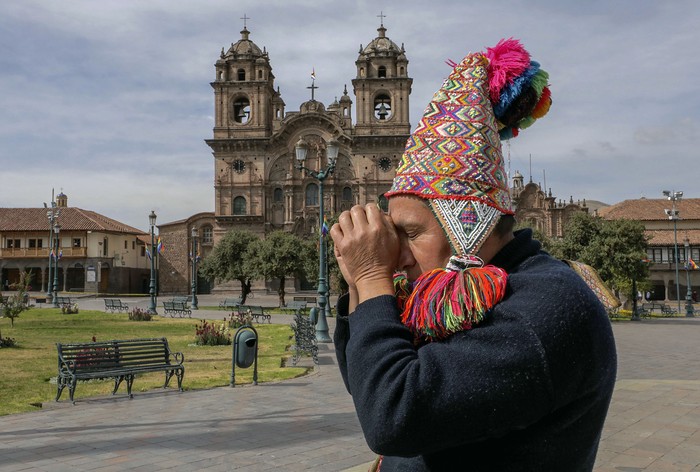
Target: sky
109	101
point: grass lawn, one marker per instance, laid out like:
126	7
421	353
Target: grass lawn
27	369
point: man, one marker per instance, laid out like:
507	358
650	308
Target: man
494	355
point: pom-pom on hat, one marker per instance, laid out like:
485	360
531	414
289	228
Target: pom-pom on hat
454	160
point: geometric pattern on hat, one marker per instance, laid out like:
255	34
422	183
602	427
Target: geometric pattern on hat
455	151
469	223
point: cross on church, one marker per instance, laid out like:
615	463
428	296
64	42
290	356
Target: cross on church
245	19
381	17
312	87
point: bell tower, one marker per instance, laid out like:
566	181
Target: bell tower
382	88
244	91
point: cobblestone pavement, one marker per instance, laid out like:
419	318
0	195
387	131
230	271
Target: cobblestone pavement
309	423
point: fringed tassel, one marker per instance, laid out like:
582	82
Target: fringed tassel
444	302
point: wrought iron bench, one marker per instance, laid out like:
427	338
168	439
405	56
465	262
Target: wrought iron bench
117	360
177	306
668	311
114	304
63	301
229	303
304	338
296	306
257	312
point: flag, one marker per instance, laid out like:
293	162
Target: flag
159	247
199	256
53	254
324	227
691	264
60	253
313	74
148	253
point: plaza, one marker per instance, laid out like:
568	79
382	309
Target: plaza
309	423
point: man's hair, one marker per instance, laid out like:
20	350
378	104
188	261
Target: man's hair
505	225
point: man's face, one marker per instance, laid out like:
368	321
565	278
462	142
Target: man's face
423	243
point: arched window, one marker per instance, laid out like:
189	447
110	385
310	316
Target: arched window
260	74
241	74
312	195
207	235
239	206
381	72
382	106
241	110
277	195
347	194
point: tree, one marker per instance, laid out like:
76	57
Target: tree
615	248
227	260
17	302
279	255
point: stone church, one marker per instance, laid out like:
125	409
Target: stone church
257	185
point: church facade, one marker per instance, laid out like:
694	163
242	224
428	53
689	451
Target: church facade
257	184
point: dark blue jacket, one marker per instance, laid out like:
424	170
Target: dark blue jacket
526	390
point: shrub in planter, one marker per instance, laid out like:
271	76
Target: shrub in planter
69	308
210	334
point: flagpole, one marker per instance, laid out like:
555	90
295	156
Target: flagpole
689	311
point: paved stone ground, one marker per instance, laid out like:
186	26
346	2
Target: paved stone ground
309	423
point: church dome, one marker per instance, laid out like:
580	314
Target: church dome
244	47
381	46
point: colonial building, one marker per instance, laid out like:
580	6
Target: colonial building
93	253
663	241
257	185
541	210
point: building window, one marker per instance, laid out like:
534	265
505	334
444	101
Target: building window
241	110
241	74
207	235
126	244
381	72
76	242
312	195
655	254
143	251
239	206
13	244
36	243
105	247
133	245
277	195
347	194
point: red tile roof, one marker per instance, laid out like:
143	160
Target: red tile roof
645	209
70	219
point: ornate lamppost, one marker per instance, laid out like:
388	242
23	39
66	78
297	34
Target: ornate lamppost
689	311
194	305
52	214
56	231
673	214
332	149
152	305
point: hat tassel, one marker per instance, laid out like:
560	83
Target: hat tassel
445	301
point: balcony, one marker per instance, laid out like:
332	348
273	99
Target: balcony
31	252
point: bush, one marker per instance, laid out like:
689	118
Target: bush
69	308
209	334
240	319
137	314
7	342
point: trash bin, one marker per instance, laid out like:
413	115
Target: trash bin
245	352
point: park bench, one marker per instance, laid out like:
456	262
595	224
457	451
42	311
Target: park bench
668	311
117	360
64	301
114	304
308	300
304	338
296	306
177	306
229	303
256	312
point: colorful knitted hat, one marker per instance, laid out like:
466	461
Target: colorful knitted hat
454	160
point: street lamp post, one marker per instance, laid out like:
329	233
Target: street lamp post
56	231
52	214
689	312
152	305
194	269
673	215
301	149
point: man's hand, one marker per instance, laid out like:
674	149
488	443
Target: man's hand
367	250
